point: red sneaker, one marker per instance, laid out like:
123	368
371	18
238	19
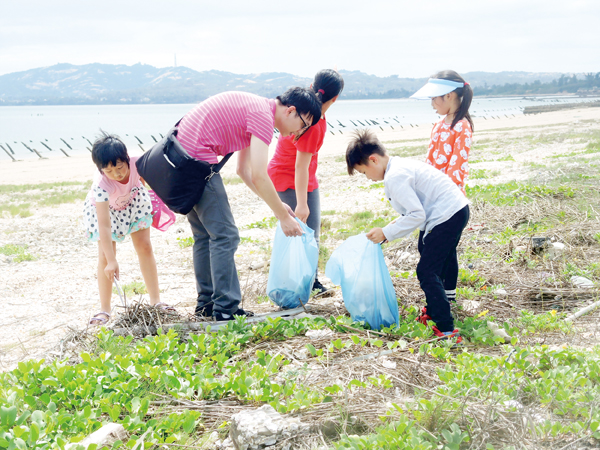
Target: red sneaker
423	317
447	334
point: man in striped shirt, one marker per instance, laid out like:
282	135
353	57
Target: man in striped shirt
226	123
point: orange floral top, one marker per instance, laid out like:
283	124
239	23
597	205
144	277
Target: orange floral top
449	150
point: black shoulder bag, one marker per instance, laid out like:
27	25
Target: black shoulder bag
176	177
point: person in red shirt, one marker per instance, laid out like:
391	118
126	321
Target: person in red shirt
451	137
293	168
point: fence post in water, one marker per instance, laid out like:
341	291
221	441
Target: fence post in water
33	150
67	144
88	141
153	138
138	139
142	147
46	146
27	147
8	153
9	147
66	154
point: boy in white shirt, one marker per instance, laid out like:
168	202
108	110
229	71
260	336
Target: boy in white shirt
428	200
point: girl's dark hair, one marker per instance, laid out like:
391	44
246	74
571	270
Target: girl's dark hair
327	84
465	94
364	143
305	101
108	149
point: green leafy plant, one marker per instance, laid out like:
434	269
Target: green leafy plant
185	242
18	252
265	224
133	288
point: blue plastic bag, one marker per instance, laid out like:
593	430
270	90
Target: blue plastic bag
293	267
358	266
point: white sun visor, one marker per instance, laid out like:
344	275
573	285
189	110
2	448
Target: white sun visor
436	87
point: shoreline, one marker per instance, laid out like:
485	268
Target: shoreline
81	167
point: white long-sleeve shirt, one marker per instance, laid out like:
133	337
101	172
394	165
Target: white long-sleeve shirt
424	196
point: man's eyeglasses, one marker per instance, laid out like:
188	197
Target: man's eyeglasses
305	127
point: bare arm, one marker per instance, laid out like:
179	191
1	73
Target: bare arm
104	230
252	169
301	184
244	169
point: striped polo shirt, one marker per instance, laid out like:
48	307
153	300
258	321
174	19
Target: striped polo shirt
225	123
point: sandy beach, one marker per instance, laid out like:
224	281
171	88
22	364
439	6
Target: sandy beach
44	298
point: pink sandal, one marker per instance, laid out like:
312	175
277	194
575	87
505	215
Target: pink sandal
97	319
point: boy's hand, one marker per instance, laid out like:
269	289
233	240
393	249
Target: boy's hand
302	212
376	235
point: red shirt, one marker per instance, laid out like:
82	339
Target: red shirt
282	167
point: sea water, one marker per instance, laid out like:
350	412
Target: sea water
77	125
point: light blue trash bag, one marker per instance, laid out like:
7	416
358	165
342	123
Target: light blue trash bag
293	267
358	266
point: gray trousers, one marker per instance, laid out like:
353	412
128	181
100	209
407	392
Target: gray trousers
216	240
314	205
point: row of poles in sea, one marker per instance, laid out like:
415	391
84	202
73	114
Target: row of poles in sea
10	152
391	122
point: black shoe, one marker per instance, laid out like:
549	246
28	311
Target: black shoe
204	309
320	289
219	316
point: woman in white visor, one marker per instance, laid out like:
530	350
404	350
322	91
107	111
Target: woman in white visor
451	138
450	144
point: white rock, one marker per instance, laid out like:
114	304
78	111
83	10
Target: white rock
500	292
556	250
471	306
254	429
388	364
319	334
582	282
103	437
500	332
513	404
403	255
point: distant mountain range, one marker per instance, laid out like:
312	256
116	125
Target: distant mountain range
69	84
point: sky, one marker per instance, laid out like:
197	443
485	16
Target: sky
394	37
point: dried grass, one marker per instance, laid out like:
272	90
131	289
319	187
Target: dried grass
359	412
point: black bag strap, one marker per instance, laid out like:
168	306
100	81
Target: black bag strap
219	166
215	168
